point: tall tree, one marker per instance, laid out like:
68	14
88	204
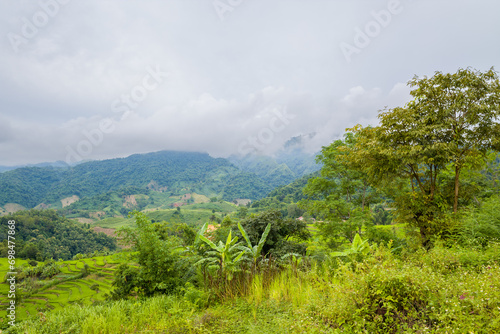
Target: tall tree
464	108
453	119
340	194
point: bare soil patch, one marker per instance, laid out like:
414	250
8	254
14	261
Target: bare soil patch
242	201
84	220
13	207
69	200
130	201
108	231
97	214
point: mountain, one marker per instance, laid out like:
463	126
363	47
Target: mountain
166	171
287	194
57	164
292	161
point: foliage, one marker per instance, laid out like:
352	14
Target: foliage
162	268
278	171
439	291
340	196
254	251
482	225
285	235
223	258
359	248
44	234
380	215
452	122
244	185
284	196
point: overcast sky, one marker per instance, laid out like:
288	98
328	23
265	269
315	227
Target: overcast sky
97	79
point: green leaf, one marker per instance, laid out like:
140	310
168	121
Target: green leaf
244	234
202	231
209	242
263	239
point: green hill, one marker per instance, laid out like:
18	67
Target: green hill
44	234
167	172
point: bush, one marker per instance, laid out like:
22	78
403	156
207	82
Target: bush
482	225
50	270
162	269
392	304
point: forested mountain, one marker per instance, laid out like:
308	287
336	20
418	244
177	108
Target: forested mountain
45	234
284	195
165	171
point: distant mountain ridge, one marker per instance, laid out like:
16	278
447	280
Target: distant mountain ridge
171	171
57	164
287	165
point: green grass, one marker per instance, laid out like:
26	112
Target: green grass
445	290
189	215
115	222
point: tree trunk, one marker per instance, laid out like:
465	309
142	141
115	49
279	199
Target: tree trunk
457	183
364	196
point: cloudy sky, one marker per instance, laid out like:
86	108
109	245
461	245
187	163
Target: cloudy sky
97	79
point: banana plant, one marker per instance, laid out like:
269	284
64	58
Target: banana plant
359	248
254	251
222	256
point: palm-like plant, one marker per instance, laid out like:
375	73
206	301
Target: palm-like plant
254	251
359	248
222	256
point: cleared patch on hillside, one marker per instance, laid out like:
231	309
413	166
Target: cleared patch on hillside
130	201
200	198
242	201
13	207
84	220
97	214
153	185
110	232
69	200
41	206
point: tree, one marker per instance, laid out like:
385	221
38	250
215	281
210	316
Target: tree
242	212
224	256
340	195
464	108
162	268
452	120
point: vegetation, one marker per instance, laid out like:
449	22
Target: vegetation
398	233
167	172
451	124
44	234
54	285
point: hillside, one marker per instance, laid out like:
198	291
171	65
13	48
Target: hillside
166	172
44	234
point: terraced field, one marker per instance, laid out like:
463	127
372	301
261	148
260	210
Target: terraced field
64	288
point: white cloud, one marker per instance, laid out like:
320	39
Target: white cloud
225	77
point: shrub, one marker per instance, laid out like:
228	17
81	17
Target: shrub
482	225
392	304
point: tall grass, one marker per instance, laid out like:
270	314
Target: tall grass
445	290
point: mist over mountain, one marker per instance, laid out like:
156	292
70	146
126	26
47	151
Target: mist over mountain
292	161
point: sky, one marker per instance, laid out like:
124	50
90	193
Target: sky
99	79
